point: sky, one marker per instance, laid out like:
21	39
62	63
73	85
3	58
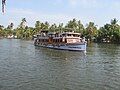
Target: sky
60	11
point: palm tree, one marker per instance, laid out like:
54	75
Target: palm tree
46	25
1	31
72	24
110	32
91	31
115	29
42	25
10	26
80	27
37	26
60	27
114	21
53	28
23	23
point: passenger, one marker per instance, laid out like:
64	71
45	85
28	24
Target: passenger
83	39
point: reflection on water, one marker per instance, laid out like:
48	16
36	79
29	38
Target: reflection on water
26	67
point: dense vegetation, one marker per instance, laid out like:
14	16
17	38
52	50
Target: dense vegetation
108	33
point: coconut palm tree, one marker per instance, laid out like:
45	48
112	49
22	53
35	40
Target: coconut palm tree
80	27
23	23
46	25
60	27
115	29
110	32
10	27
91	31
1	31
53	28
72	24
37	26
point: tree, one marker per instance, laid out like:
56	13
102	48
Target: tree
60	27
37	26
46	25
2	33
80	27
53	28
110	32
115	30
72	24
114	21
10	27
23	23
1	26
91	31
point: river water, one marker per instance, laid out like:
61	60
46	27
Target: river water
26	67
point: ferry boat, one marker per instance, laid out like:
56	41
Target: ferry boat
62	41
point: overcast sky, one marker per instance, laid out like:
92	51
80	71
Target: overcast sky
57	11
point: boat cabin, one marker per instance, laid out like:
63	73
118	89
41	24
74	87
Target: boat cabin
64	41
58	38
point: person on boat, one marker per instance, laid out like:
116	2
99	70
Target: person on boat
84	40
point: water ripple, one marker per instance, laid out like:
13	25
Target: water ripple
26	67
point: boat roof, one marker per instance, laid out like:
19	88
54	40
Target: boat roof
71	33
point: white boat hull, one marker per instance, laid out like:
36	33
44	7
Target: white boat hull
70	47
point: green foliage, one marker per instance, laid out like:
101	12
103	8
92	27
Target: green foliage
109	32
90	31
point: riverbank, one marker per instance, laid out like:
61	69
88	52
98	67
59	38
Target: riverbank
108	33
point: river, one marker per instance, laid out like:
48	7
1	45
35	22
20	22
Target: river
26	67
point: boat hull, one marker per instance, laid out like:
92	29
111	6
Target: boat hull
69	47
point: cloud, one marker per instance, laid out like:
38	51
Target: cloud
57	2
100	11
20	11
73	2
16	14
83	3
116	4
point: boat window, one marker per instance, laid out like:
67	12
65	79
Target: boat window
69	35
63	35
53	40
65	40
60	39
76	35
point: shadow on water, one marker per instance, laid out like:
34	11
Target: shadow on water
61	54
